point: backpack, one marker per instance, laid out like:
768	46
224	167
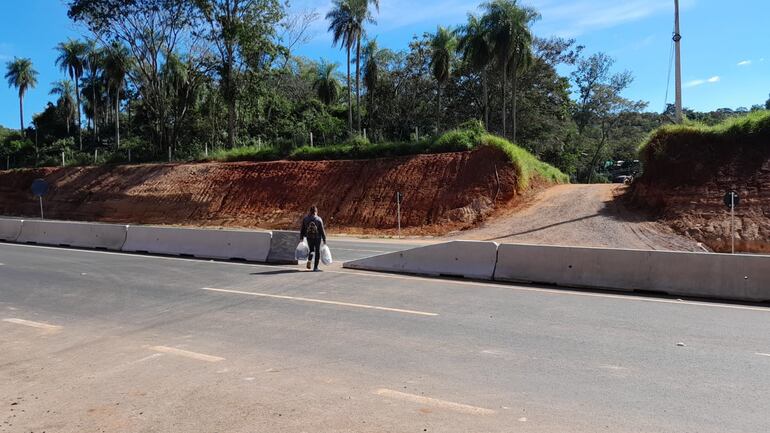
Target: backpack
311	231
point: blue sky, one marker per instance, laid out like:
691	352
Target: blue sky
725	54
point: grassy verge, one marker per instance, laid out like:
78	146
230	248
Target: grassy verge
468	137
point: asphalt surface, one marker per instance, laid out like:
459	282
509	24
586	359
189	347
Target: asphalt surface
95	341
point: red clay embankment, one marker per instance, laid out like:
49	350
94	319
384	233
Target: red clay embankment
442	192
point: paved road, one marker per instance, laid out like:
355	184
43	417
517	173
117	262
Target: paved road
346	248
94	341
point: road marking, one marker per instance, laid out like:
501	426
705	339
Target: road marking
146	358
39	325
321	301
510	286
443	404
763	354
187	353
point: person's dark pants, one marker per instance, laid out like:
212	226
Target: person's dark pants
315	250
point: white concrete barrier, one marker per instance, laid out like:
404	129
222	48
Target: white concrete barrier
10	229
203	243
722	276
470	259
73	234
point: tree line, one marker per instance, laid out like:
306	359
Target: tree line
182	77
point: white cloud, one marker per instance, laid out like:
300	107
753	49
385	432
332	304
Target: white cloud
696	83
744	63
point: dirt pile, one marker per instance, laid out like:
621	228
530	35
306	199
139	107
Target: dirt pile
441	192
688	171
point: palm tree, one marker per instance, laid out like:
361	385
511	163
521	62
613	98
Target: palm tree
326	84
371	73
66	102
22	76
477	53
362	14
342	25
442	46
72	60
511	42
117	62
94	58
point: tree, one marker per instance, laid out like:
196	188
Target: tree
510	38
154	31
362	15
767	104
344	28
66	102
117	62
326	83
443	45
72	60
21	75
371	72
94	57
234	27
600	107
477	53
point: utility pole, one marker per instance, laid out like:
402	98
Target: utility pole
677	45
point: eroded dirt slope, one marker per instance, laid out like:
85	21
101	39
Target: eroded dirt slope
581	215
442	192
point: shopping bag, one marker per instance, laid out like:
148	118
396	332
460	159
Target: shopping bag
326	255
302	251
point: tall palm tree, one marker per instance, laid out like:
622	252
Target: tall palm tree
371	73
342	25
22	76
66	102
117	63
362	15
510	40
326	84
477	53
442	46
94	58
72	60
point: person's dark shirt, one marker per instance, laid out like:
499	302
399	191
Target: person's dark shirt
318	222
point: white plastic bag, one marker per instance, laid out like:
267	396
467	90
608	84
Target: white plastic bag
302	252
326	255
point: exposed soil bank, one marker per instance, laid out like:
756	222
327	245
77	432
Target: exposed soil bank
442	192
686	190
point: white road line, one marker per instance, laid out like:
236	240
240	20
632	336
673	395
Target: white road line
187	353
510	286
321	301
146	358
763	354
443	404
38	325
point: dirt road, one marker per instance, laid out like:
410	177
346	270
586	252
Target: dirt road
580	215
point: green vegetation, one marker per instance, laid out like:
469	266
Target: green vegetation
470	136
695	140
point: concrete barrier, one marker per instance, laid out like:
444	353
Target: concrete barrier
73	234
282	247
9	229
203	243
722	276
469	259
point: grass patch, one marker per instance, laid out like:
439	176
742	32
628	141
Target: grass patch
246	153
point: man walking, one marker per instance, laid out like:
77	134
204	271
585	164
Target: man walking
313	230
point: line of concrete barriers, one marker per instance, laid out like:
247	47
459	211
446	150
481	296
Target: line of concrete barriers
739	277
255	246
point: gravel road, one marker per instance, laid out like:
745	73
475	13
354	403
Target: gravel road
580	215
